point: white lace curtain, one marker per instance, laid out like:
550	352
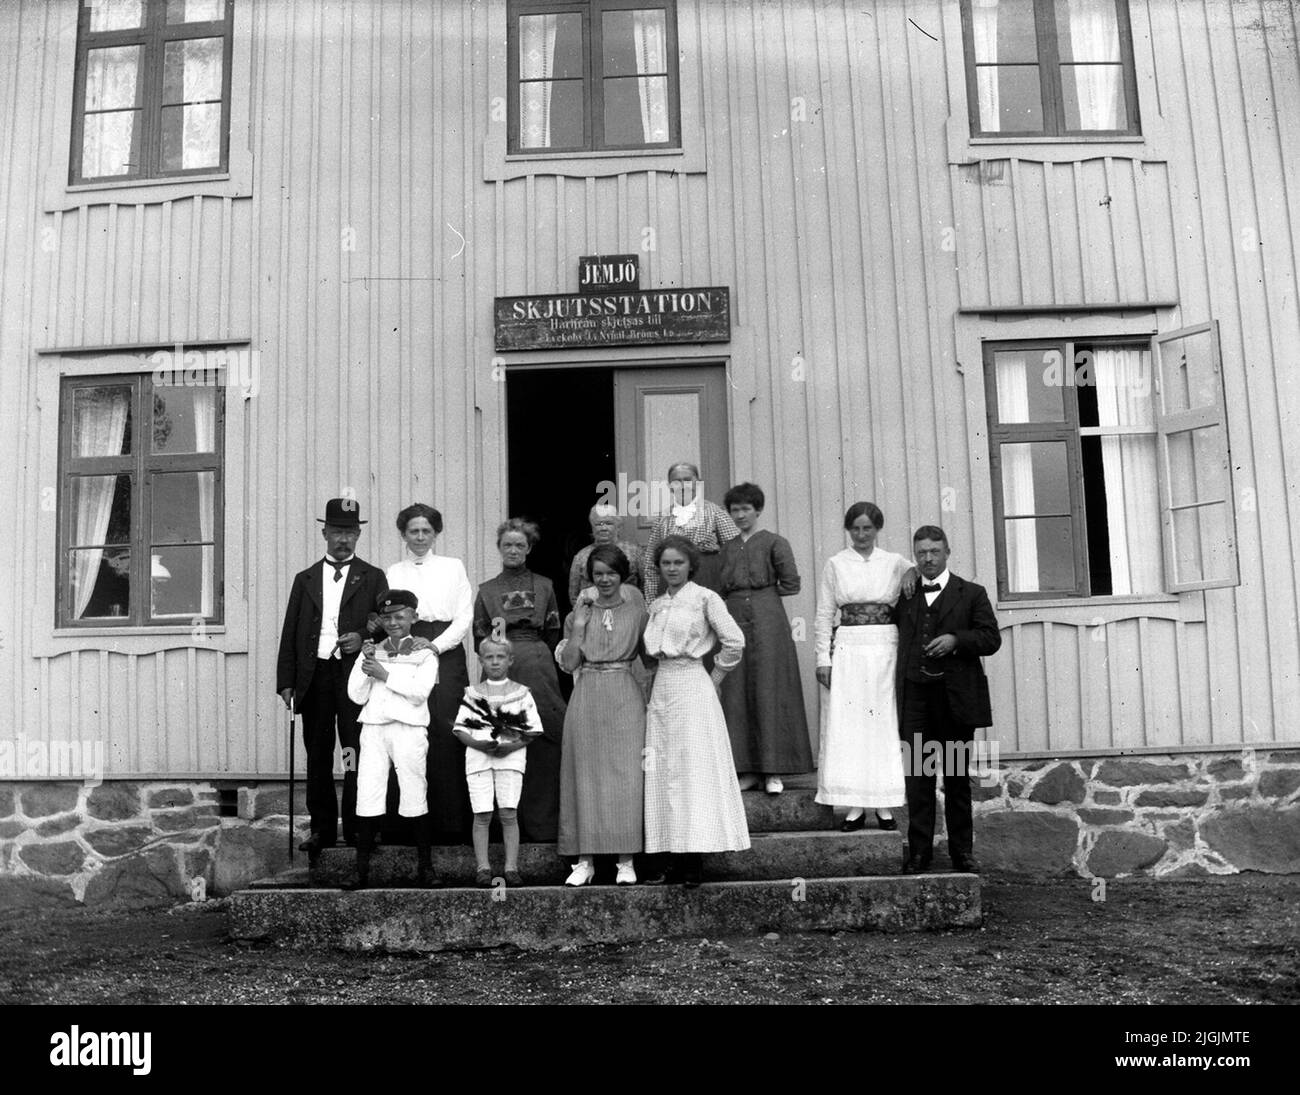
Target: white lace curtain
650	39
99	426
536	63
205	423
1011	377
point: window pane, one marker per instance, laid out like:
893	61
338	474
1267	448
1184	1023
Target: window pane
101	583
1029	385
1087	30
1188	380
195	11
115	14
1202	544
192	70
1197	466
191	137
100	508
1040	555
634	42
1093	96
1004	31
1124	518
1035	478
110	144
184	418
550	114
101	421
181	507
112	77
181	582
1010	99
550	46
636	110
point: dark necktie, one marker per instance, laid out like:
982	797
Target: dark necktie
338	568
931	589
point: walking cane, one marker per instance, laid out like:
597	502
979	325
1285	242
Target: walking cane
291	766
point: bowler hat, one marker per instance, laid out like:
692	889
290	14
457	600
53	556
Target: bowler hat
342	513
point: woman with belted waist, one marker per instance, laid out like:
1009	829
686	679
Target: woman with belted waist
602	784
445	610
860	765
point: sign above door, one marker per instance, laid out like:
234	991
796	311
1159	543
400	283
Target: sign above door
610	311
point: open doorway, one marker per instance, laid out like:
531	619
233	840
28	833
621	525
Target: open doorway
560	448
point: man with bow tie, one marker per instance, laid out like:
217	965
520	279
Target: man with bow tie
327	618
944	629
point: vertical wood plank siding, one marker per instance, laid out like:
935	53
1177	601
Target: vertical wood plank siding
363	265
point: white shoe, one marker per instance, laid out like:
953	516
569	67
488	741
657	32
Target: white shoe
626	874
773	785
748	782
583	873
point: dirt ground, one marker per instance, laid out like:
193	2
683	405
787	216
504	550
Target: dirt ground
1211	941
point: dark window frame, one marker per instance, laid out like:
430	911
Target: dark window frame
1067	431
593	79
1050	87
153	38
139	465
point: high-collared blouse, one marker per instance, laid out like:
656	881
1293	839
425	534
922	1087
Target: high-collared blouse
442	589
687	625
850	579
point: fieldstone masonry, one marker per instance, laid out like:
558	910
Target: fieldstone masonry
1174	816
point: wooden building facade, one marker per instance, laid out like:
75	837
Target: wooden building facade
900	237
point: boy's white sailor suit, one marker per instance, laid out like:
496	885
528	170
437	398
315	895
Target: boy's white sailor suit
394	727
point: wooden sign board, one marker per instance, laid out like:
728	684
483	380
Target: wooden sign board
603	273
648	317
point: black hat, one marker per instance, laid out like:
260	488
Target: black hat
396	598
342	513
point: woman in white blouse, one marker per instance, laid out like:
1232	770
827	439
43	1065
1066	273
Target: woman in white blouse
692	800
860	764
446	609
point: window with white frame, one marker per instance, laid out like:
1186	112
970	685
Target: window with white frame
1109	461
1049	68
140	501
599	75
152	90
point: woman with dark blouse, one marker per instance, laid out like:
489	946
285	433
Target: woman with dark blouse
521	606
762	696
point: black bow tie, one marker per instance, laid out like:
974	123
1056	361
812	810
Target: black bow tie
338	568
932	589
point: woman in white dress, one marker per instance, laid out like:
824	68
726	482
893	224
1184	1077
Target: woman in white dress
446	609
692	800
860	763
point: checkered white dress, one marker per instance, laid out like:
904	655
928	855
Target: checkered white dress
692	799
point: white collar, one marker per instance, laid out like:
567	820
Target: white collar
683	514
347	563
941	580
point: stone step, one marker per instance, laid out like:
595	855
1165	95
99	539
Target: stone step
791	811
771	856
547	917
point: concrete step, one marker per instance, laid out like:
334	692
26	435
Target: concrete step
547	917
771	856
295	878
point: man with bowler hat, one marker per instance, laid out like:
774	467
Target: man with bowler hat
324	626
944	629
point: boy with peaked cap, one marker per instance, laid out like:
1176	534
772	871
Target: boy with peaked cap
327	618
393	680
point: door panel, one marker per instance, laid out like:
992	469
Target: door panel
664	416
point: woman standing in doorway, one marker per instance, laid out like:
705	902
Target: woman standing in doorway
861	765
705	524
520	606
445	612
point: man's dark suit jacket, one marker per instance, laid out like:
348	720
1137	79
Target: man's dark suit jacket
964	611
300	636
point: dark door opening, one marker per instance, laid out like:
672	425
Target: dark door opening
560	448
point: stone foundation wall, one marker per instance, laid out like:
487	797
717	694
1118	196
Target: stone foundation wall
1177	816
1172	816
139	843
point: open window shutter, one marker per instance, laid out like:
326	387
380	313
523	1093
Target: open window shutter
1196	502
